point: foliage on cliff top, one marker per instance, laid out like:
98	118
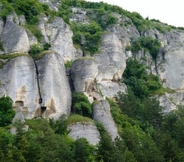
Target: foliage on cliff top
31	9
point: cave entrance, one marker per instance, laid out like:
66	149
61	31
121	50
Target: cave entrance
19	103
43	109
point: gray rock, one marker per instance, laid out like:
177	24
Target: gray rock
14	38
83	74
54	86
102	114
79	15
171	69
112	61
170	101
1	26
110	89
20	83
60	37
86	130
53	4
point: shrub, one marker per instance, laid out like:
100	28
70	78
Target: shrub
6	111
35	50
46	46
147	43
81	105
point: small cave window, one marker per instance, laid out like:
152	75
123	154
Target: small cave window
19	103
43	109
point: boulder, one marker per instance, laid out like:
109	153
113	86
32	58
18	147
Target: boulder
14	38
111	89
20	85
86	130
102	114
54	86
59	35
83	73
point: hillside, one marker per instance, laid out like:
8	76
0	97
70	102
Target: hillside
84	81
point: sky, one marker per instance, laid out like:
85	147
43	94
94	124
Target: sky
167	11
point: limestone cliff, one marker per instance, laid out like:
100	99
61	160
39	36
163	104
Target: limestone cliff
43	86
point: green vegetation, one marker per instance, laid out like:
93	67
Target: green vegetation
139	82
6	111
37	51
8	57
148	44
31	9
68	64
75	118
35	31
81	105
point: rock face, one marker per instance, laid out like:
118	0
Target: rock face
102	114
20	83
84	130
171	70
53	4
14	38
83	74
111	65
112	61
54	86
110	89
59	35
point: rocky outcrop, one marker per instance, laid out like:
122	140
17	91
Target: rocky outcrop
59	35
54	86
14	38
53	4
83	73
112	61
86	130
110	89
170	101
171	69
20	83
102	114
79	15
1	26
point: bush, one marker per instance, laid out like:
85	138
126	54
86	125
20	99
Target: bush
6	111
147	43
35	50
81	105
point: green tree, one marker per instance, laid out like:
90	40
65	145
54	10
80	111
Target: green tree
81	105
6	111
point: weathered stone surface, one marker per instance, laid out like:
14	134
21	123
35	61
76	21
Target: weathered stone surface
1	26
110	89
54	86
84	130
171	69
79	15
112	61
20	84
170	101
60	37
101	113
53	4
83	73
14	38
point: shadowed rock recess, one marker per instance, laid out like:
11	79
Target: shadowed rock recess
43	63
